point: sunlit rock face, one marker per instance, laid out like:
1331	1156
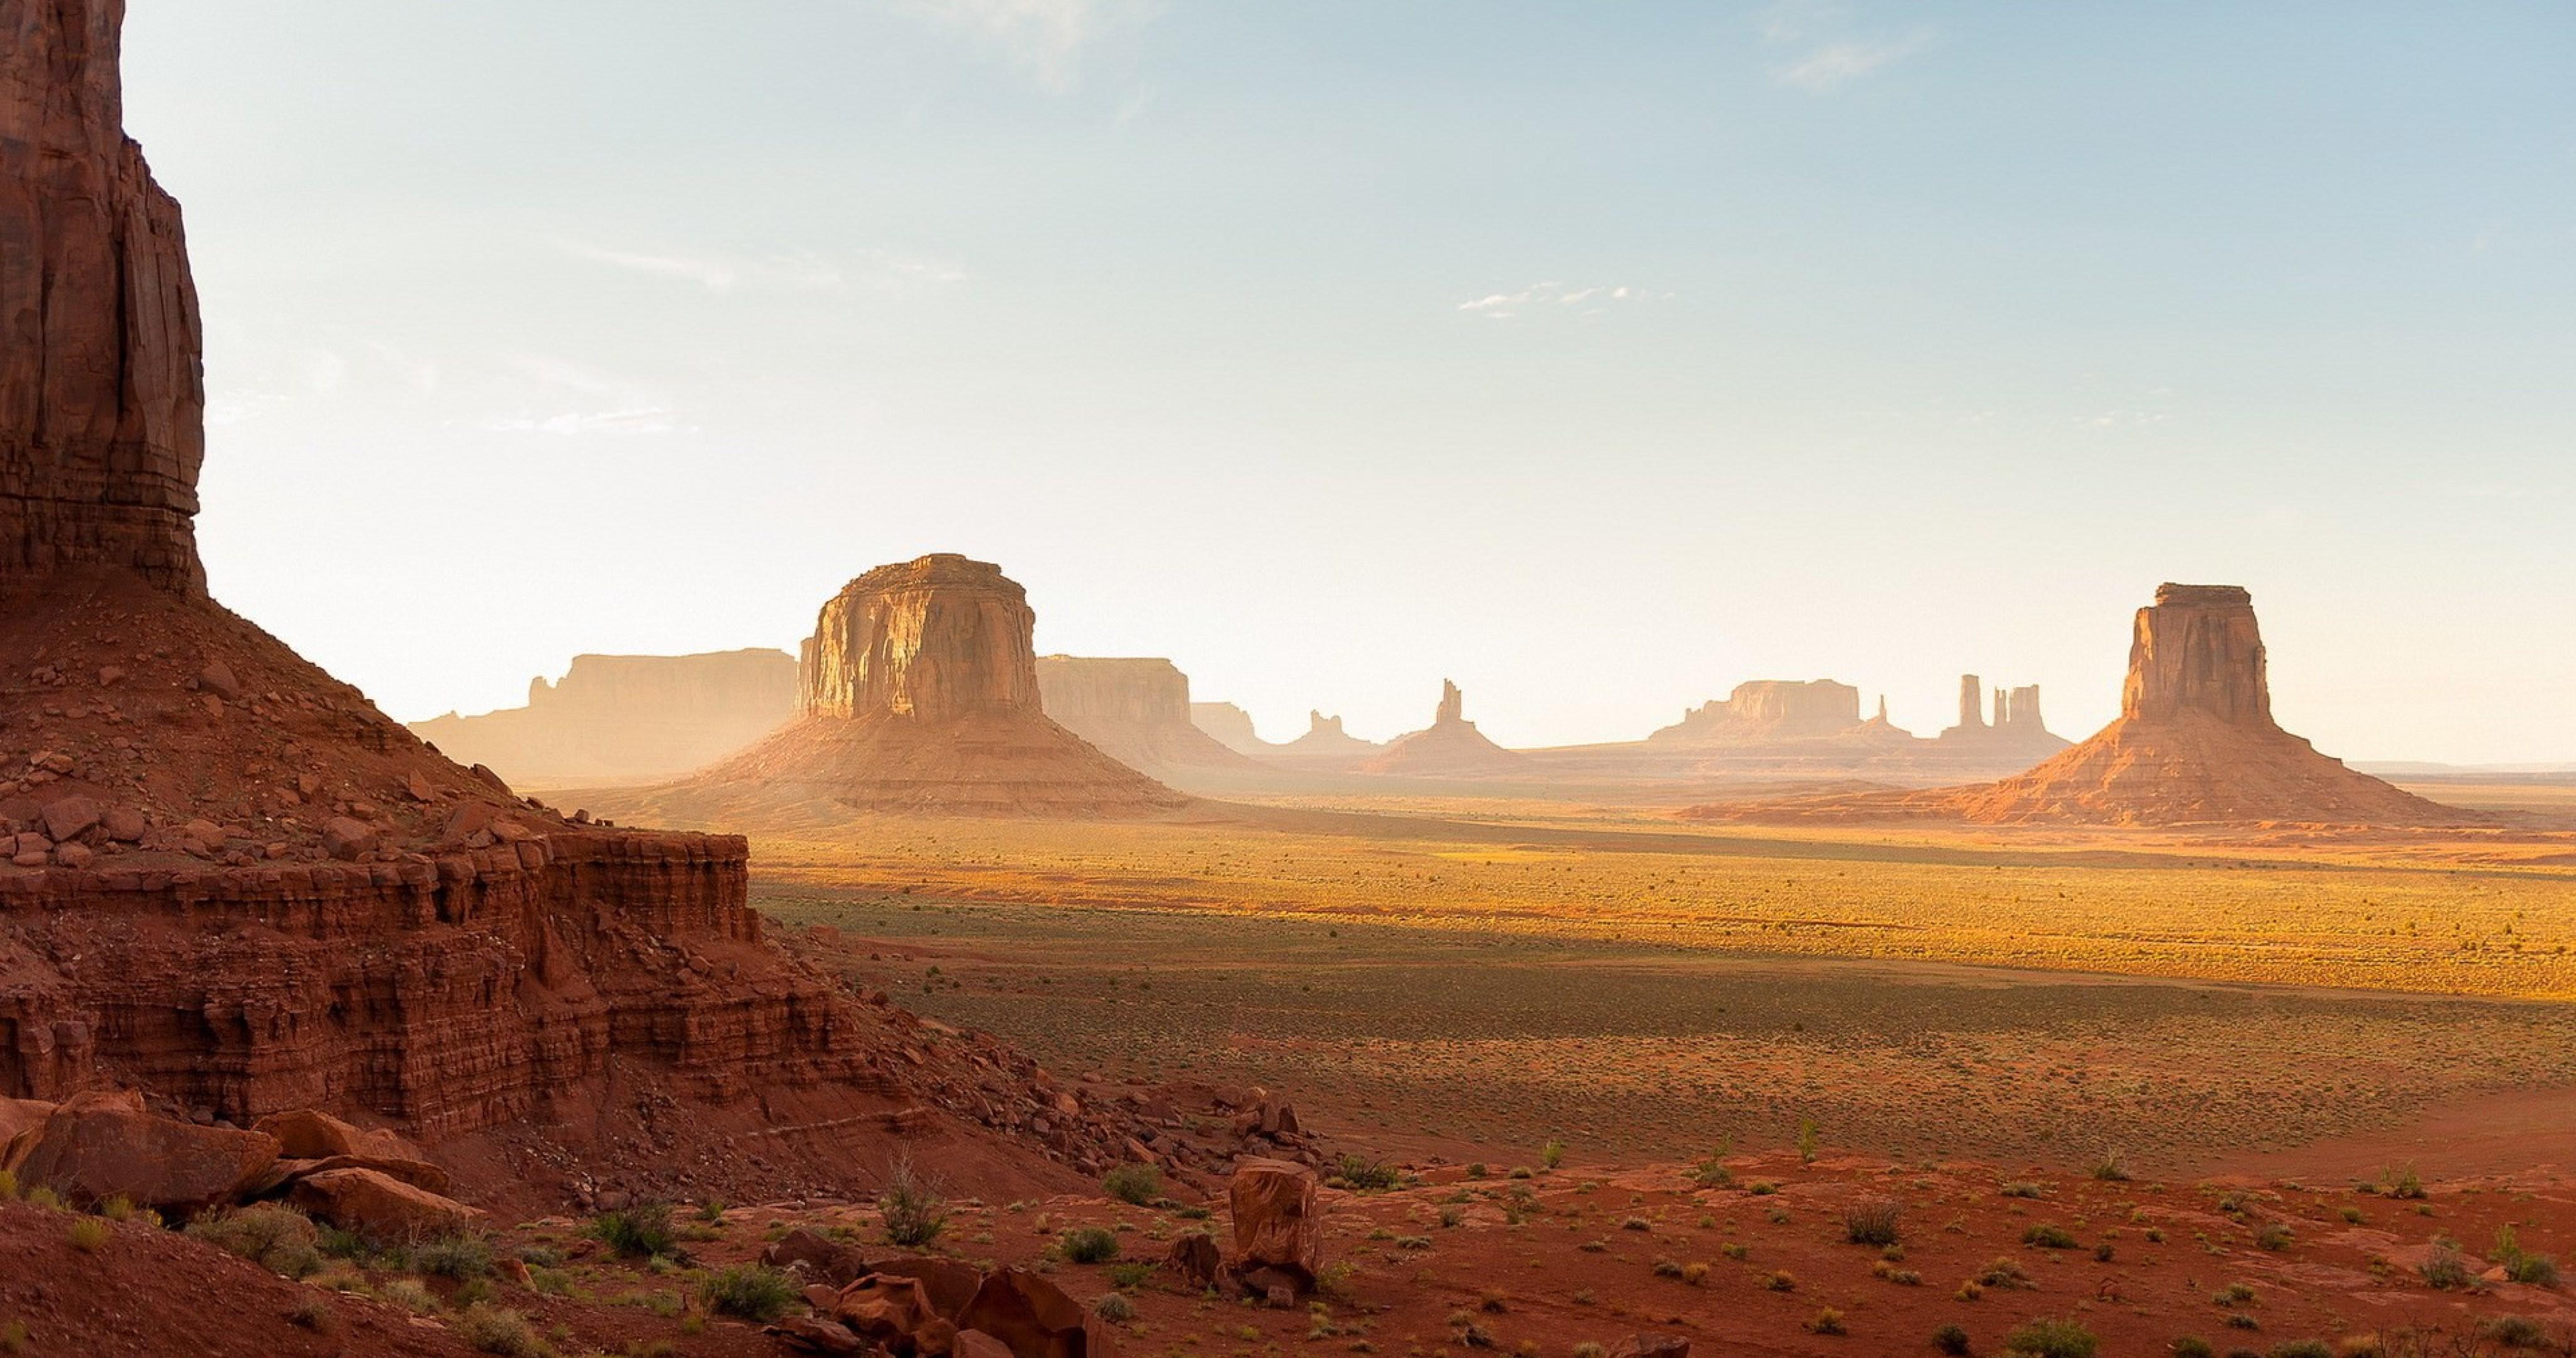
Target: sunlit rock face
932	639
2197	649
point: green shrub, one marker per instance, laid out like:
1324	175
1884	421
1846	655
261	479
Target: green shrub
1088	1245
2002	1271
2514	1332
2443	1268
1872	1221
753	1292
2401	1182
410	1295
89	1235
1137	1183
1952	1340
270	1234
2050	1338
1552	1154
637	1232
2191	1346
1131	1275
914	1209
2049	1237
2302	1348
462	1257
1367	1176
2521	1265
494	1330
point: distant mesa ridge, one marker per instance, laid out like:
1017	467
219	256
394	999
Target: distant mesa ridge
2195	742
919	692
627	718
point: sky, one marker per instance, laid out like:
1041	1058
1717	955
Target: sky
1598	355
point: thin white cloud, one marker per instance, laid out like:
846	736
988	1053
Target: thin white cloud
1046	38
1836	64
1539	296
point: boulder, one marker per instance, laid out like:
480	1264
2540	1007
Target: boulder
98	1146
18	1115
379	1205
817	1256
1033	1318
68	818
1277	1223
1651	1346
327	1143
977	1344
887	1311
346	839
1195	1260
948	1283
810	1334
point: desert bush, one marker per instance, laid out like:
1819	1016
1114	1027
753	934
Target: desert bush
2514	1332
270	1234
2302	1348
88	1235
1712	1173
2521	1265
2110	1166
1782	1281
2275	1236
1826	1321
410	1295
753	1292
1872	1221
1808	1140
2049	1236
462	1257
8	1186
2019	1188
492	1329
637	1232
2003	1271
914	1208
1552	1154
2052	1338
1088	1245
2401	1181
1367	1176
1952	1340
1129	1276
1134	1183
2443	1268
315	1314
1114	1308
2191	1346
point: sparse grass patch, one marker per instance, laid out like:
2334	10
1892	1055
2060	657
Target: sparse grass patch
2049	1236
493	1329
88	1235
638	1232
1088	1245
753	1292
270	1234
2052	1338
1137	1183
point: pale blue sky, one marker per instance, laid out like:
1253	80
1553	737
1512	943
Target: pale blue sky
1596	355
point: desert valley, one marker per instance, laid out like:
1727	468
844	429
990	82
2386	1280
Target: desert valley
904	988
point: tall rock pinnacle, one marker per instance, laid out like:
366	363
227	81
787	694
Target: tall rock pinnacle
102	405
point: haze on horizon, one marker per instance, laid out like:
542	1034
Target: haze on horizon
1598	357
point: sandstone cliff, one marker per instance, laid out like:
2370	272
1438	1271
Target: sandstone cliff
1135	710
626	718
920	694
233	884
1451	747
2195	742
1230	725
101	399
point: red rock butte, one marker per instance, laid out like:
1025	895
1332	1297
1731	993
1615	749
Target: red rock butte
2195	743
920	695
1450	747
232	884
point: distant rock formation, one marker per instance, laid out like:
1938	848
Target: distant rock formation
1325	748
2017	726
1231	726
919	694
1451	747
2195	742
626	718
1136	710
1763	711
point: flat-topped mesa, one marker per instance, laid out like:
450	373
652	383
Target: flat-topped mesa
920	693
102	402
934	638
1769	710
1135	709
2197	650
626	718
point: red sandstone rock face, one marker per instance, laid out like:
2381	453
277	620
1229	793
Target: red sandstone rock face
920	695
1136	711
234	885
101	403
1451	747
627	718
2195	743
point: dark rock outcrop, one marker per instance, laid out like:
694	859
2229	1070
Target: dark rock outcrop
626	718
101	395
